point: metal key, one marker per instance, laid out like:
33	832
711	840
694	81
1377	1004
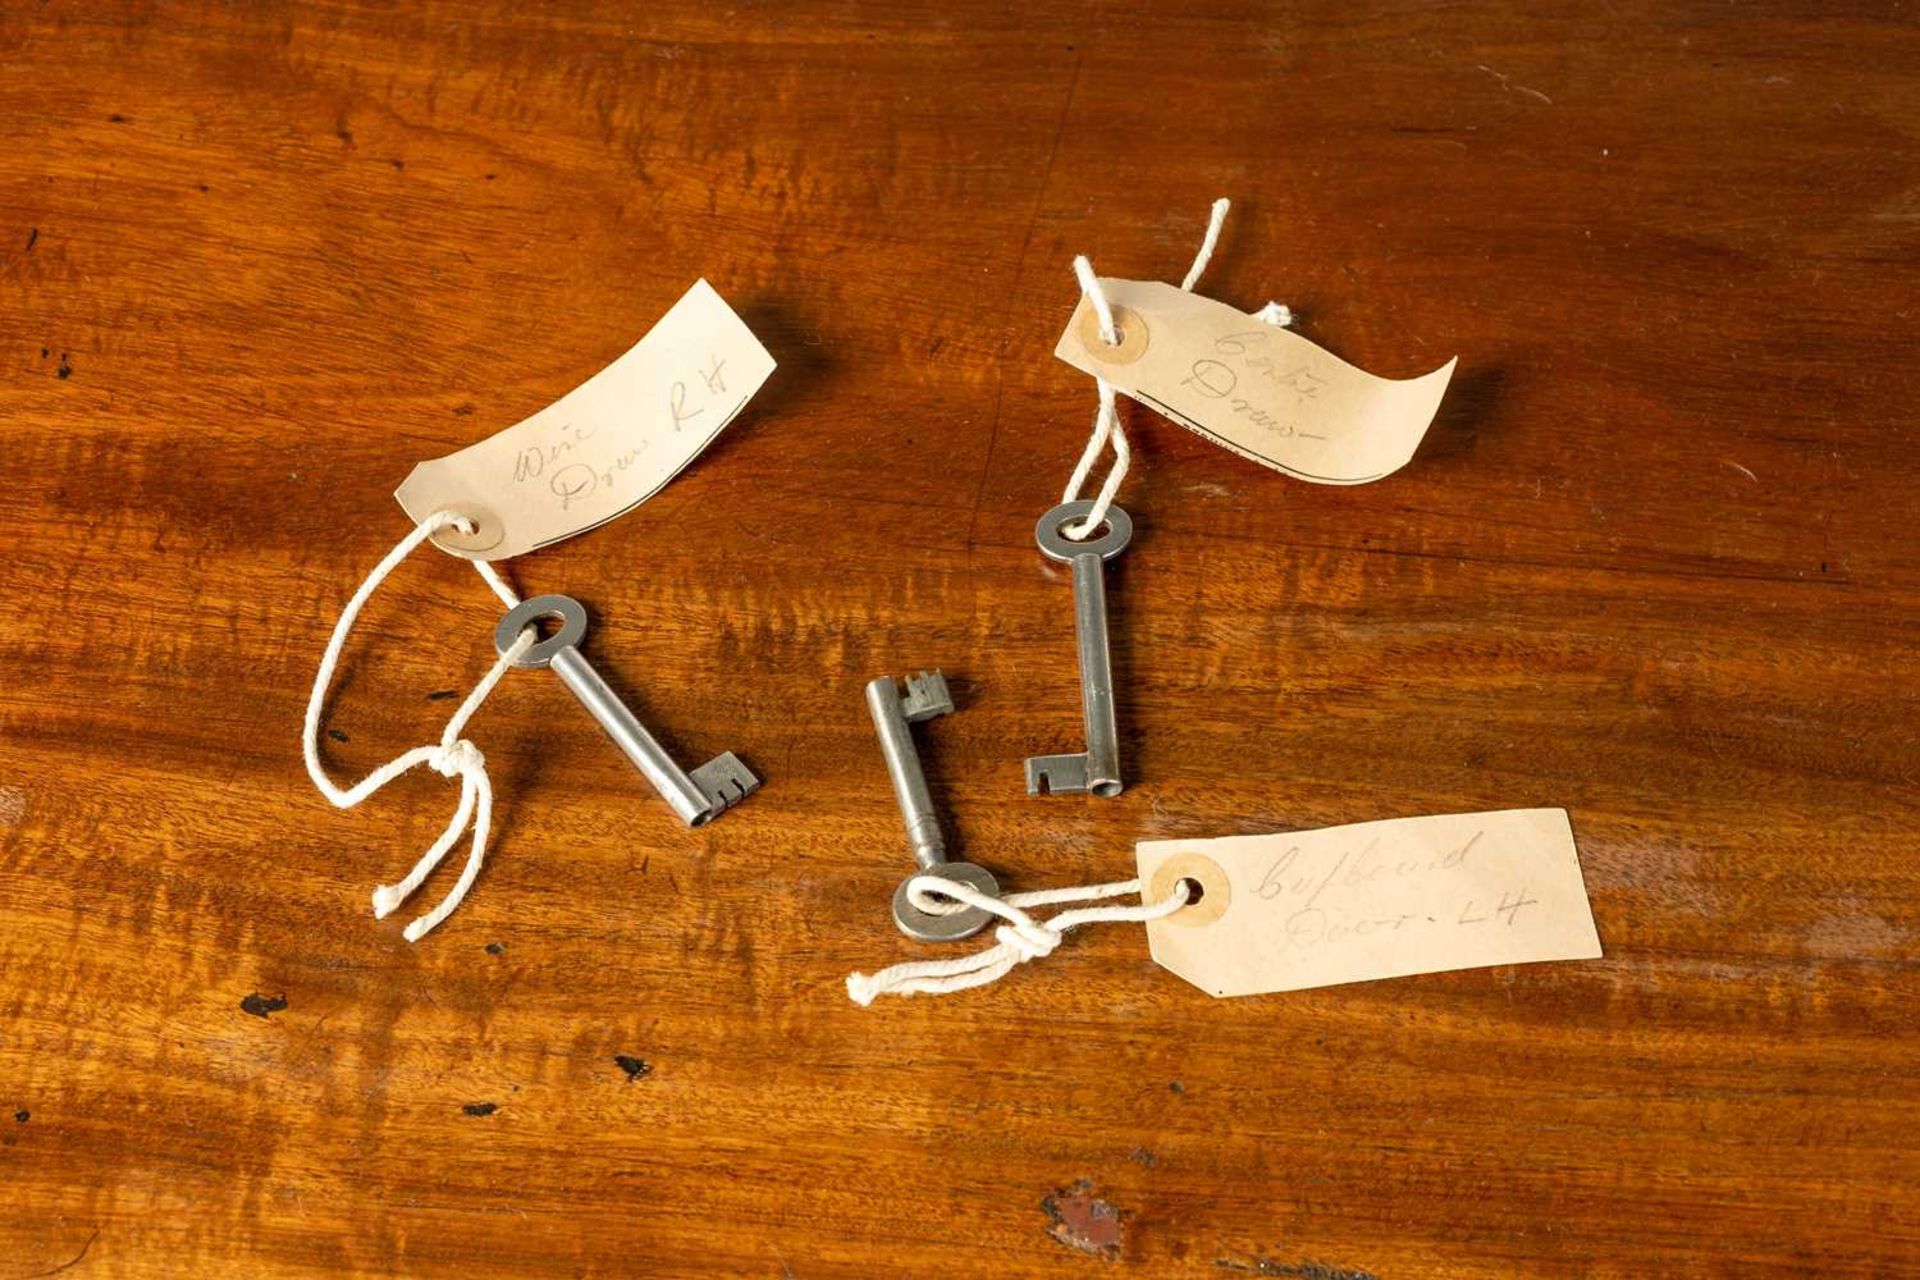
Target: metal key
699	797
926	697
1097	769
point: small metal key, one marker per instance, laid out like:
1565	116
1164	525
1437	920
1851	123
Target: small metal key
926	697
699	797
1097	769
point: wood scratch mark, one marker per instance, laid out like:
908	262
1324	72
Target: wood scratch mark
74	1261
306	1045
1507	83
1742	470
1262	1265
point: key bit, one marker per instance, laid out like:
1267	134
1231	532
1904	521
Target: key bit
927	697
1057	775
725	782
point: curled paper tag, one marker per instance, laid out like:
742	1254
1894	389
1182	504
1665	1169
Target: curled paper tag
606	446
1259	390
1370	900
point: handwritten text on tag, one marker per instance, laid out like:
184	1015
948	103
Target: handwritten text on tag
604	447
1371	900
1257	389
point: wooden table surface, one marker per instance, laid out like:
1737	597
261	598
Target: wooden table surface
1656	562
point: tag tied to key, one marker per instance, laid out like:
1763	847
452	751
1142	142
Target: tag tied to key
1370	900
1255	388
598	451
604	447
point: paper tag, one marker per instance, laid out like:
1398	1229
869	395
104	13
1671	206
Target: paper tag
1370	900
606	446
1261	391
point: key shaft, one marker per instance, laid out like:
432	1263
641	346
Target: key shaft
632	737
1097	769
893	717
890	722
698	797
1096	675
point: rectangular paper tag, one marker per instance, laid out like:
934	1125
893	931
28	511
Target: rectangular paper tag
1257	389
1370	900
606	446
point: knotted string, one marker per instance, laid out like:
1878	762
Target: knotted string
452	757
1021	939
1106	420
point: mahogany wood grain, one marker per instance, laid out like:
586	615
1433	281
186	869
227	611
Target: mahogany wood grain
1656	563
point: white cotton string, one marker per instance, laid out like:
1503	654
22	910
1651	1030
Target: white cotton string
1274	313
1277	314
1215	220
491	576
1102	309
453	756
1106	424
1021	939
476	802
1106	421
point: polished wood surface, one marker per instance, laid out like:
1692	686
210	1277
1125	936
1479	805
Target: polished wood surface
1656	562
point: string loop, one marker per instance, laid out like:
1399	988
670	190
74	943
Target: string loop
1020	939
1106	420
453	756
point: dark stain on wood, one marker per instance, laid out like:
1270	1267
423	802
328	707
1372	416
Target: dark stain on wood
481	1108
634	1067
262	1006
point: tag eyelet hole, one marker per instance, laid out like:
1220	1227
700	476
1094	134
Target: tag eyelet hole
1209	892
1130	336
470	531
